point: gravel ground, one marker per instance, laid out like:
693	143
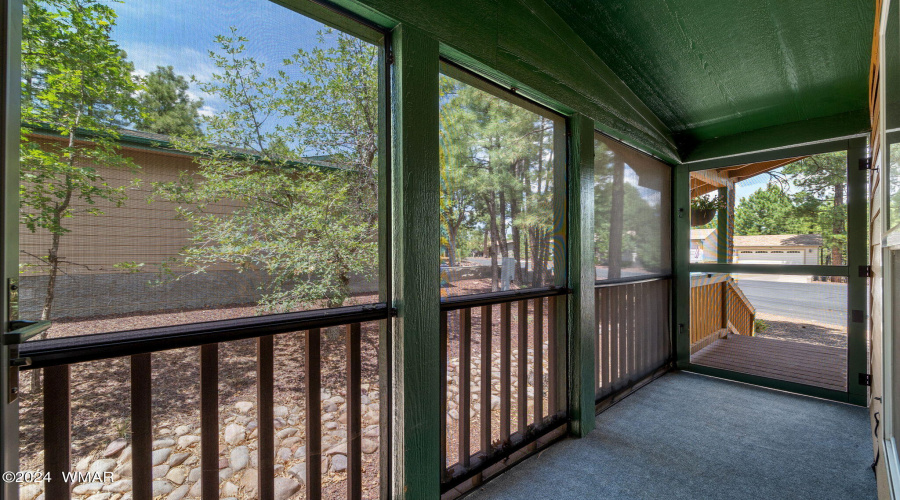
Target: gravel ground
100	390
783	328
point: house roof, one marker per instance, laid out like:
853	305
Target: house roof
161	142
766	240
779	240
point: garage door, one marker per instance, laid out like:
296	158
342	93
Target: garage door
789	257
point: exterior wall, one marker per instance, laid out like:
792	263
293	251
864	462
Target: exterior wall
137	231
809	256
90	284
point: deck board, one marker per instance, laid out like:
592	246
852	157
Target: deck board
809	364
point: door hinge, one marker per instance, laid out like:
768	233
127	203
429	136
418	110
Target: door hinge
865	379
17	332
858	316
865	163
865	271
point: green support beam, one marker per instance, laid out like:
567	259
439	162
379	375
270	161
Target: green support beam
416	255
581	317
681	248
725	226
857	258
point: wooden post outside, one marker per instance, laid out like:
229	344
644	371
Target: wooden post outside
581	321
415	195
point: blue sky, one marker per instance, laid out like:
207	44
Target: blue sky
181	34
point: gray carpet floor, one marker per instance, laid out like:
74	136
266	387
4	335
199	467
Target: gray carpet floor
694	437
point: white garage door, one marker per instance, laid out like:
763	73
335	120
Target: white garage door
789	257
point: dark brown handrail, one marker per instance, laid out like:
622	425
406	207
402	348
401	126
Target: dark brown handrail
631	279
493	298
63	351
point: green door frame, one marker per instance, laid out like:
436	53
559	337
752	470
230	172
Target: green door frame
9	201
857	259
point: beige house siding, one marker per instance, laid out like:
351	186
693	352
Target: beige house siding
137	231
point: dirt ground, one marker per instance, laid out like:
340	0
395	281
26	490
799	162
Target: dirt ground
101	389
810	332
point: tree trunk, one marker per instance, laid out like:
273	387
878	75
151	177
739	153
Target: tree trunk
517	241
837	227
495	246
451	244
504	248
616	222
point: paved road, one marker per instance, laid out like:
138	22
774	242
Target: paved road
817	301
821	302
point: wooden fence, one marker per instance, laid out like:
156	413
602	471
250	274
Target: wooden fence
718	307
633	333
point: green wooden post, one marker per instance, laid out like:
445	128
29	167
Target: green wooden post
725	226
581	322
681	256
415	179
857	257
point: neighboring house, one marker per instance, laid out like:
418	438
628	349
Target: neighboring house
95	279
790	249
704	245
793	249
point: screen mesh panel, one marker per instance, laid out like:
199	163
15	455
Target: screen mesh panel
786	212
501	228
632	217
222	162
785	327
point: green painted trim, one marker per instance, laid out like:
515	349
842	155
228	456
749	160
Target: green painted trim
385	266
754	156
509	94
770	269
415	184
681	256
561	250
857	256
355	8
771	383
341	18
844	125
581	320
11	36
541	56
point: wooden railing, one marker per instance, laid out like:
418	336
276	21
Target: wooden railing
633	334
718	307
57	356
503	379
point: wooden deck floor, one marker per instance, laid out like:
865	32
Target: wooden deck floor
798	362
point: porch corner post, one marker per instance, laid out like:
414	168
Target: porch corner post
725	226
857	258
416	256
681	245
581	320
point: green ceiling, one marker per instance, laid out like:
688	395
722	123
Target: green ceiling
710	69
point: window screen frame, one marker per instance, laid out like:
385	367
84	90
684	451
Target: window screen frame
329	15
561	165
666	249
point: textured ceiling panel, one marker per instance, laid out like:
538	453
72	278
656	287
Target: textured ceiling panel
710	69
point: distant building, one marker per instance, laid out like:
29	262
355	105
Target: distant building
791	249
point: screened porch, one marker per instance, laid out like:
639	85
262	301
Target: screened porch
474	249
